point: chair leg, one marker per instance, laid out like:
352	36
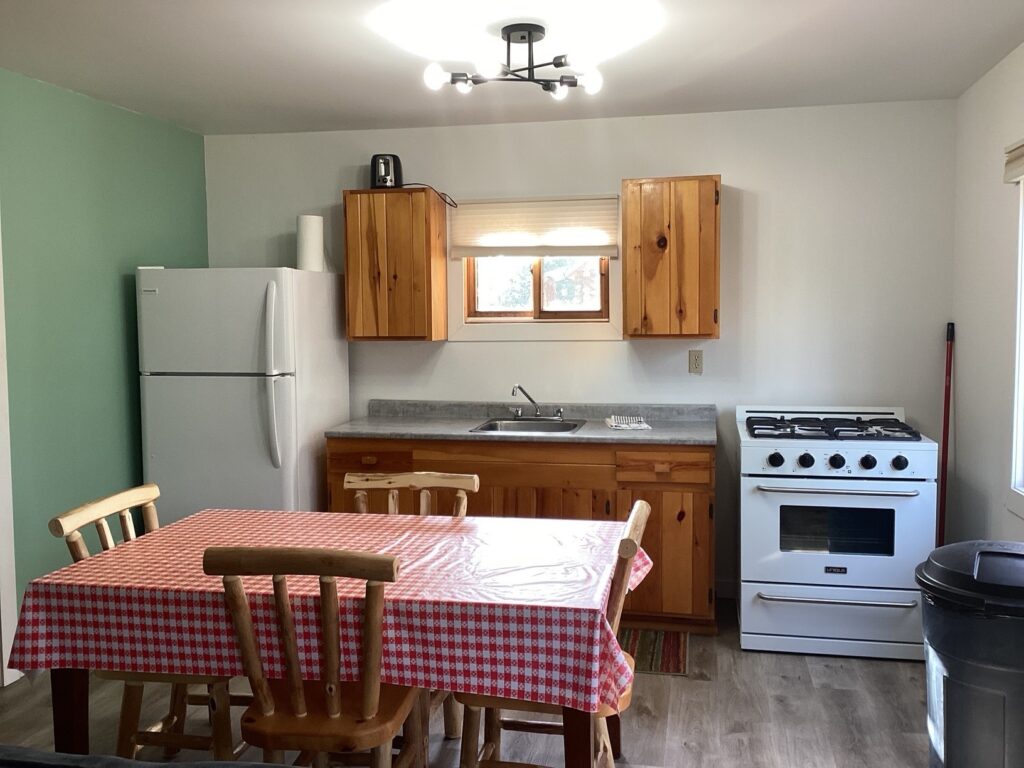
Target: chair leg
615	735
603	756
470	737
414	731
380	757
220	720
452	718
424	706
128	726
320	760
176	714
492	732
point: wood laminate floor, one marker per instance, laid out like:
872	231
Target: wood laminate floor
735	710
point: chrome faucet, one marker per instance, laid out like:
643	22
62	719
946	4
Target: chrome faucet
518	388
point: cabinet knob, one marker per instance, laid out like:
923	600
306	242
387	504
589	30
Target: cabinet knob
369	460
681	516
662	242
662	468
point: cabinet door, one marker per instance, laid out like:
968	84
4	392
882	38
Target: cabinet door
366	265
679	538
670	256
395	264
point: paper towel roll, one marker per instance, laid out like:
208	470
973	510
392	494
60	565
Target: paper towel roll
311	243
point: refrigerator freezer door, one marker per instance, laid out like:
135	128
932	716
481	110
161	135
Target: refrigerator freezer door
197	321
219	441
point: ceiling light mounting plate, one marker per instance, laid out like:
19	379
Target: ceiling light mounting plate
522	33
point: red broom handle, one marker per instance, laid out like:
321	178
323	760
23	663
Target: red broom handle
940	533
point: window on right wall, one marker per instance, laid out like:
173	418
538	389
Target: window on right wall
536	260
1015	500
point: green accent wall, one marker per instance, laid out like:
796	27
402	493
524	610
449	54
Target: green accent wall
88	191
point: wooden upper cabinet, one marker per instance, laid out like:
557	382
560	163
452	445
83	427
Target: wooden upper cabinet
670	239
396	270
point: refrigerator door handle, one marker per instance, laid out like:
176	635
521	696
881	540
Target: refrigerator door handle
271	403
270	305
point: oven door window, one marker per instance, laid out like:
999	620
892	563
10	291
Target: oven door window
837	530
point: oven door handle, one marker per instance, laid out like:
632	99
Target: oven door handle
836	491
835	601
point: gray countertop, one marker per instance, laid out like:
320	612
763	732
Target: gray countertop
439	420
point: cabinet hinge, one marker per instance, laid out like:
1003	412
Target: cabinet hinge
716	317
716	197
607	507
711	511
711	596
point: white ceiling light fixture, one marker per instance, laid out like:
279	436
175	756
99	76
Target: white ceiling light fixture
463	34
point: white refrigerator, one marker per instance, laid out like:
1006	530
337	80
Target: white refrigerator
241	372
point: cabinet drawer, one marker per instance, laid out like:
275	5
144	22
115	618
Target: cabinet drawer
369	461
692	467
890	615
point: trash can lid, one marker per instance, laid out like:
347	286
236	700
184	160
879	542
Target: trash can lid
982	575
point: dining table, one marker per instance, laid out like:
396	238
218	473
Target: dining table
509	607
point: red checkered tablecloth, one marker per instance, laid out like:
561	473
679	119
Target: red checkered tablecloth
498	606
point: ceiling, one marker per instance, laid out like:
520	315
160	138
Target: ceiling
257	66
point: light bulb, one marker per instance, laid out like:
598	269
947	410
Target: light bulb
593	82
463	86
559	92
434	77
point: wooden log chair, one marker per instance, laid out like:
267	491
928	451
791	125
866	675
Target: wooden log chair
425	483
169	731
605	743
324	716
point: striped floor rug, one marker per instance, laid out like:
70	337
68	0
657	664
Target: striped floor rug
661	652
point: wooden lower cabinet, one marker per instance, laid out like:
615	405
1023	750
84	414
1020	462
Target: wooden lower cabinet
571	481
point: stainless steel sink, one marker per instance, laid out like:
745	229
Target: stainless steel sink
530	426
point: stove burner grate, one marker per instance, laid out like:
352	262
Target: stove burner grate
814	428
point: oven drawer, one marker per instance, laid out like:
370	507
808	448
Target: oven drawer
892	615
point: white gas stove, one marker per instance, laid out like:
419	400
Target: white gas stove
837	507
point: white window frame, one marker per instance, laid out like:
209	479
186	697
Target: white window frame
1015	497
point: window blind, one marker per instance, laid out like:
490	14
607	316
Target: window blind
1014	163
582	227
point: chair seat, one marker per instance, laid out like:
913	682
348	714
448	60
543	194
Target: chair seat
320	733
516	705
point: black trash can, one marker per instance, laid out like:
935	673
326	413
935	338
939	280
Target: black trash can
973	594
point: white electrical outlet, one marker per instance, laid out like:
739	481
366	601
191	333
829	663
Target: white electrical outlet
697	361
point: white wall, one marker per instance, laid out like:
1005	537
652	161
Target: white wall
989	116
836	253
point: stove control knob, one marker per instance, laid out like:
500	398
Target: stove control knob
868	461
899	463
836	461
775	459
806	460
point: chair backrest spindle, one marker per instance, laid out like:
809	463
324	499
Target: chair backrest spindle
289	645
241	617
330	641
373	628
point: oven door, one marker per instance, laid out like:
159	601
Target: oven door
859	533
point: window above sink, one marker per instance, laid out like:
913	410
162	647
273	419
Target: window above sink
535	270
